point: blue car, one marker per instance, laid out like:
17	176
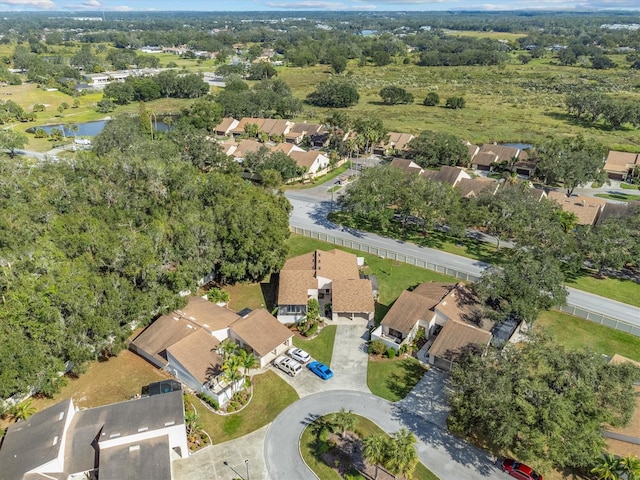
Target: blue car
321	370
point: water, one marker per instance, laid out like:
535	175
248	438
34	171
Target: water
366	33
89	129
521	146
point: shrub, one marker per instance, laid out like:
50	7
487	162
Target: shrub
403	349
377	347
391	352
313	328
455	103
324	434
209	401
431	100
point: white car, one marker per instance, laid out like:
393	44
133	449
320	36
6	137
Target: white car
299	355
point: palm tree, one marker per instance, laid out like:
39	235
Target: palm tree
192	423
374	449
630	466
403	457
344	420
607	468
23	410
247	361
227	349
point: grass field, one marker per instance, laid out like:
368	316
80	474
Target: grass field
393	379
321	347
271	395
508	103
364	427
628	186
622	197
575	333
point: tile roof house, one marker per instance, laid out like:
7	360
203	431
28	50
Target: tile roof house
472	187
239	128
503	152
121	441
185	343
412	309
447	174
333	278
247	146
313	161
451	316
394	142
225	127
407	165
586	209
620	165
301	130
485	161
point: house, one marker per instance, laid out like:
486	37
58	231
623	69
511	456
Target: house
472	149
333	278
239	128
451	316
275	128
299	131
586	209
407	165
503	152
485	161
621	165
619	211
447	174
538	193
412	309
185	343
525	165
121	441
395	142
224	128
247	146
313	161
472	187
286	148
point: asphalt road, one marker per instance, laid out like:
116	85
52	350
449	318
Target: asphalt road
310	210
441	452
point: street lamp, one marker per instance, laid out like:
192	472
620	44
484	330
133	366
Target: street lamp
234	470
246	462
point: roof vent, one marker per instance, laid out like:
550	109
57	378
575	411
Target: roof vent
55	440
61	416
168	424
113	435
134	448
143	429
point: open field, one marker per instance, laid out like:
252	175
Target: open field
508	103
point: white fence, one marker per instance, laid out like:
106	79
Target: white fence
362	246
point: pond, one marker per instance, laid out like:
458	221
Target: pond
88	129
521	146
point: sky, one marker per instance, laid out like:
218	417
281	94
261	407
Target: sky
321	5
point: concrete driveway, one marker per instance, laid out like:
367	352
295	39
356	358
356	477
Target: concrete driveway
428	399
348	363
209	463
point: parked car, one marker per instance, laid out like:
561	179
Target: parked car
519	470
288	365
299	355
321	370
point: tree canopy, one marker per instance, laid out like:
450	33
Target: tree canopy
571	161
334	93
431	149
93	247
540	402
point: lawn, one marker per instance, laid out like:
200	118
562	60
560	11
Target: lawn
364	427
575	333
319	180
245	295
115	380
628	186
271	396
622	197
393	379
625	291
320	347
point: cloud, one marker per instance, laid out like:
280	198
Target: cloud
45	4
91	3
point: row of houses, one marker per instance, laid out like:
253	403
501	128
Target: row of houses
588	210
275	129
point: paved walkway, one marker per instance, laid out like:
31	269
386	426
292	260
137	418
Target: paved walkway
209	463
